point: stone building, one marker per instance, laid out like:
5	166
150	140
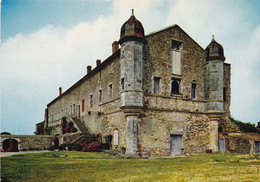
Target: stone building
159	94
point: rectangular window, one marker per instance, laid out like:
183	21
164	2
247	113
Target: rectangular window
100	75
156	85
175	86
123	84
224	94
176	57
73	108
100	96
193	90
91	101
82	105
62	114
110	91
66	112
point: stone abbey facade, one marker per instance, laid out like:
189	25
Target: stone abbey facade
159	94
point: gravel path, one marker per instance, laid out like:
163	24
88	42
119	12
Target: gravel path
6	154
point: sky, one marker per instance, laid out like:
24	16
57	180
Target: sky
47	44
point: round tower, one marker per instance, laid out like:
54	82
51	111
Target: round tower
214	76
214	90
132	73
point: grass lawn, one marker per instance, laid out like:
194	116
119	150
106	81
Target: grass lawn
85	166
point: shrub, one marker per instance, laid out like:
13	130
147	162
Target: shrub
91	147
67	127
245	127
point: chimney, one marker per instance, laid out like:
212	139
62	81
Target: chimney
60	90
98	62
115	46
88	69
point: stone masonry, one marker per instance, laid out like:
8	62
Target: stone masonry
159	94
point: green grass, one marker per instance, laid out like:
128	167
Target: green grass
84	166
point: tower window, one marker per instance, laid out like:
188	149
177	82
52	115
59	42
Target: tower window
175	86
156	84
123	84
193	90
224	94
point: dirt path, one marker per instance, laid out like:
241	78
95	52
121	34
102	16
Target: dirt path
6	154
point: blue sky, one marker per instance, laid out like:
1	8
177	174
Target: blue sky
49	43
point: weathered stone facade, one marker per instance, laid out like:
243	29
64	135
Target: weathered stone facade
158	95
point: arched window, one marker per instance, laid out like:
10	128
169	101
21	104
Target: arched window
116	137
175	86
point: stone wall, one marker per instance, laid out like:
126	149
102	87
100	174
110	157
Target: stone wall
30	142
242	142
157	127
158	63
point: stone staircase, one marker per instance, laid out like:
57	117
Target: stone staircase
82	128
80	136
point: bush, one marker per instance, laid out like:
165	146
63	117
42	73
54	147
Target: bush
67	127
88	147
245	127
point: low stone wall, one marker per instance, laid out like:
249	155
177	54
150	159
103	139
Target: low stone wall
29	142
242	142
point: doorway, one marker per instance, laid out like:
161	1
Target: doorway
221	145
175	144
10	145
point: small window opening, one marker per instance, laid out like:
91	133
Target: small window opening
176	45
123	84
100	96
110	91
156	81
224	94
83	105
193	90
175	86
100	75
91	101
